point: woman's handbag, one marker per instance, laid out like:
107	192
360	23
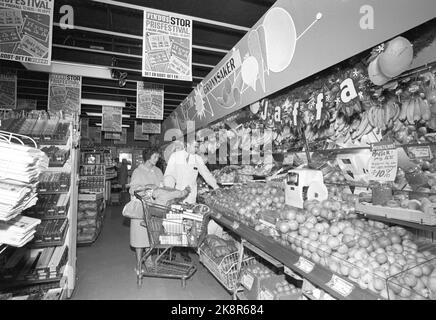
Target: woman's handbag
133	209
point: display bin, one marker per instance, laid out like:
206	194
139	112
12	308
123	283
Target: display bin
225	270
415	283
266	285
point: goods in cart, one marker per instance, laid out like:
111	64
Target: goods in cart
178	225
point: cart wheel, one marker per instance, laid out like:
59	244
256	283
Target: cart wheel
183	283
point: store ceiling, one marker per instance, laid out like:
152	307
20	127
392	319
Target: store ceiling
106	29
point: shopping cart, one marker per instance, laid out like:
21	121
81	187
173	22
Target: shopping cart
169	227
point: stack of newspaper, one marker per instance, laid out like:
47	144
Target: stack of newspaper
18	231
20	168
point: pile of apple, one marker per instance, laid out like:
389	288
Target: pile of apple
366	252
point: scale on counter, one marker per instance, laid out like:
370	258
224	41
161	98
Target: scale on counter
304	184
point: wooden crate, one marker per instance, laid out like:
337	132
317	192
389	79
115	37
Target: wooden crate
416	216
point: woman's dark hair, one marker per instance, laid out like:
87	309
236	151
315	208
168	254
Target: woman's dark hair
147	153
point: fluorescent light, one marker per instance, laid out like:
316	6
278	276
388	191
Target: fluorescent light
123	125
78	69
96	114
97	102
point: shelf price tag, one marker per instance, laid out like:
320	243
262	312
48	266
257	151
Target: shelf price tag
344	288
247	281
423	153
291	273
383	163
304	265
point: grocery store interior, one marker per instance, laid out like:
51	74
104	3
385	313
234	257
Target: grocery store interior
218	150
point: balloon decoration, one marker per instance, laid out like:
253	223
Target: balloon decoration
396	58
390	60
375	74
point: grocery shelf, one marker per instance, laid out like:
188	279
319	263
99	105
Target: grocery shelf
400	222
22	283
53	192
262	254
46	244
362	185
320	276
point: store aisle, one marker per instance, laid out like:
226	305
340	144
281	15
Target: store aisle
105	271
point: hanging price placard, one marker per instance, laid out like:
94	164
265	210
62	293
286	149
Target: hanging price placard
304	265
344	288
383	163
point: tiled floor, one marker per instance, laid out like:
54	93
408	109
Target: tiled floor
105	271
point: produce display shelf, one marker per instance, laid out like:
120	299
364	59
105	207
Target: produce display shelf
362	185
320	276
262	254
341	150
403	223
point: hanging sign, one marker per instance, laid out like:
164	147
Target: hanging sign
26	104
151	127
123	138
383	163
138	135
167	45
84	128
8	89
64	93
112	136
26	31
149	101
111	119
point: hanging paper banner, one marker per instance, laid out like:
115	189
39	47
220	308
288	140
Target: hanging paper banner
149	101
167	43
111	119
151	127
8	89
64	93
84	128
26	104
123	138
26	31
138	135
112	136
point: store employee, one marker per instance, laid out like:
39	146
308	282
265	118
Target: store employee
185	166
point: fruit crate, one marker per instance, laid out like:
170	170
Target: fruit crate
225	270
416	216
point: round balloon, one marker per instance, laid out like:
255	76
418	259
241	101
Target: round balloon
280	39
397	57
254	107
374	73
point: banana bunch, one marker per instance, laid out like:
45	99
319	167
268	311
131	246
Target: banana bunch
384	117
362	128
342	131
414	110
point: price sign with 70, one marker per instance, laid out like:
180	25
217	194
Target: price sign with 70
383	163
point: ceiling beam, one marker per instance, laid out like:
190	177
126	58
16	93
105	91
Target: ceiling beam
202	20
132	36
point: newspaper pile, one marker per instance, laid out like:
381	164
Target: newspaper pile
18	231
20	168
